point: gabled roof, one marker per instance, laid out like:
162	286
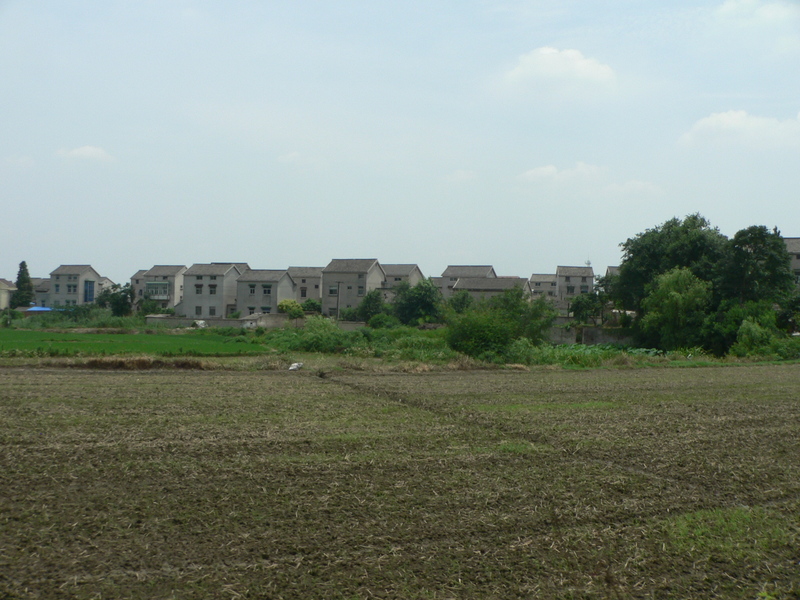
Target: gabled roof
263	275
543	278
488	284
72	270
575	271
469	271
612	271
139	274
792	245
41	285
351	265
211	269
297	272
165	270
7	284
403	270
242	266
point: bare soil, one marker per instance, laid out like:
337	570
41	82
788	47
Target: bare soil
649	483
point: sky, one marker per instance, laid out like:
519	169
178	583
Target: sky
524	134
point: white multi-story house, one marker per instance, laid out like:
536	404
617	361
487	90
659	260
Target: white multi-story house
573	281
210	289
345	282
544	284
73	285
161	283
307	281
398	274
260	291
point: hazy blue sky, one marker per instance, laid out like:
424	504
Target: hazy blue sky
522	134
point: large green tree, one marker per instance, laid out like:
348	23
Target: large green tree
756	267
24	294
675	309
119	298
690	243
421	303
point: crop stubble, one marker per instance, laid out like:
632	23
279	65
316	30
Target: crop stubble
652	483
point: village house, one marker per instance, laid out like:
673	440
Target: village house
346	281
308	283
793	248
454	272
7	289
73	285
161	283
210	290
544	285
260	291
483	288
397	274
572	281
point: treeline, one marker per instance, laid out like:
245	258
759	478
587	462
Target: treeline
689	285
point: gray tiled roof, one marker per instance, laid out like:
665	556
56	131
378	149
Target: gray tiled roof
210	269
40	285
272	275
72	269
139	274
612	271
350	265
7	283
575	271
469	271
296	272
164	270
488	284
543	278
399	270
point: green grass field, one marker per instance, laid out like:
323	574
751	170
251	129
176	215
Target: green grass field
645	483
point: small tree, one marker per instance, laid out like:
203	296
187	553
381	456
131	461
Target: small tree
372	304
119	298
460	302
675	309
24	294
312	305
292	308
419	304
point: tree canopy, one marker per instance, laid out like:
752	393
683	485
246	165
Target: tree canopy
24	294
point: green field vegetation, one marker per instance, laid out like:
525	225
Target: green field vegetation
645	483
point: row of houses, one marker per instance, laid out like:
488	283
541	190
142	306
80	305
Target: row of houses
220	289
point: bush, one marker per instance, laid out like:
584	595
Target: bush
384	321
291	308
484	334
312	305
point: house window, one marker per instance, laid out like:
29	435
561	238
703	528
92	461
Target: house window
553	284
137	282
198	311
251	309
566	278
302	281
213	277
141	293
57	287
72	288
58	277
212	310
252	287
303	292
316	286
332	290
265	309
361	290
165	278
537	284
570	289
361	276
583	279
584	289
199	277
212	289
267	290
551	293
198	289
349	287
398	279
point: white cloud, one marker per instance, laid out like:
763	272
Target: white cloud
774	24
86	153
551	174
553	65
736	126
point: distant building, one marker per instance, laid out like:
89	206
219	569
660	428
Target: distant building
454	272
483	288
307	282
73	285
7	289
793	248
260	291
345	282
397	274
210	289
572	281
544	285
160	283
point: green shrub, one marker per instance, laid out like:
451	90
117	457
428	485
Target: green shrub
384	321
484	334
